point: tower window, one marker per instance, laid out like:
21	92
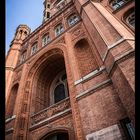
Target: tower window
118	3
48	6
72	20
59	29
46	39
25	33
21	31
34	48
48	14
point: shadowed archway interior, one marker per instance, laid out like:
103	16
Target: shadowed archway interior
46	74
56	136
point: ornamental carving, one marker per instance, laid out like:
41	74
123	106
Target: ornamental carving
50	111
62	40
77	33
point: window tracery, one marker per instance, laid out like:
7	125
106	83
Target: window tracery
34	48
59	29
73	19
46	39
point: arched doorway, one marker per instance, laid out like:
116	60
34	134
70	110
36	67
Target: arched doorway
56	136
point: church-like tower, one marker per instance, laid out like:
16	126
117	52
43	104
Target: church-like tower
72	78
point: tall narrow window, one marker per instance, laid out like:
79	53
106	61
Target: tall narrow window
23	57
48	14
73	19
34	48
46	39
60	90
48	6
59	29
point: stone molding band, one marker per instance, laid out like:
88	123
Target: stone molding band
93	89
10	130
10	119
90	75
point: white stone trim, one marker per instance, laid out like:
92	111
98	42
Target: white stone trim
87	92
90	75
111	132
115	44
8	130
10	119
120	57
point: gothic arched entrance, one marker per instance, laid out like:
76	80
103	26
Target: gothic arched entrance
50	83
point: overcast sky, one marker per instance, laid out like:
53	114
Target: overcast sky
29	12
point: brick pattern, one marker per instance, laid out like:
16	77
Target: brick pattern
76	51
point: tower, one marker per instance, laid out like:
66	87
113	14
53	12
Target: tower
73	77
47	6
22	32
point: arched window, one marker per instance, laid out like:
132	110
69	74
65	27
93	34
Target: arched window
118	3
59	29
73	19
129	18
60	89
34	48
46	39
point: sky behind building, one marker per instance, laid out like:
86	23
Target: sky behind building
29	12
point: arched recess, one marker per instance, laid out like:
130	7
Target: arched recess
12	101
48	77
84	57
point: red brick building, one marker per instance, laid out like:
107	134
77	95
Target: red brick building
72	78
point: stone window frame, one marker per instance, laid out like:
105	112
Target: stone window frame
57	81
46	37
118	3
59	29
74	21
35	46
126	15
23	56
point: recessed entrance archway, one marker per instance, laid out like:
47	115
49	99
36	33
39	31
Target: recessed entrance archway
50	83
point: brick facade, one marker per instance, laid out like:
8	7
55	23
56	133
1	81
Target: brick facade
97	54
